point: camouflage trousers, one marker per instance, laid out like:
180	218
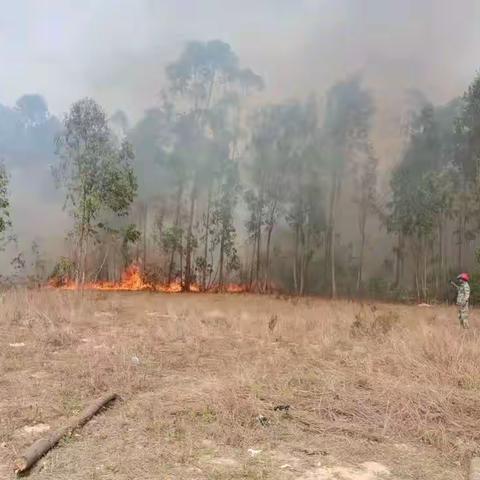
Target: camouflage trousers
463	315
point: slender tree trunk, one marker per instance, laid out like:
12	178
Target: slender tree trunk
221	260
295	261
145	243
302	262
332	237
259	245
417	266
80	280
399	259
461	237
252	263
267	259
425	273
205	246
188	253
363	222
439	276
271	223
176	224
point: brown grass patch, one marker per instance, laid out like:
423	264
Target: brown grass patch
201	375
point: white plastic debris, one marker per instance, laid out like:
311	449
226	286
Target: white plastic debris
253	452
17	345
135	360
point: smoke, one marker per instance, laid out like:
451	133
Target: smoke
116	51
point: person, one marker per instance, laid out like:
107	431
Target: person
463	295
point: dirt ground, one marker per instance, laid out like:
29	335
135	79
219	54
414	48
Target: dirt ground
238	387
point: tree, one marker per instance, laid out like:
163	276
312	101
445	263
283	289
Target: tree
33	108
467	159
5	221
423	187
365	184
349	110
223	219
95	172
202	79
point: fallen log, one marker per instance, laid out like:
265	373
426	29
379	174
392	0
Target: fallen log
43	445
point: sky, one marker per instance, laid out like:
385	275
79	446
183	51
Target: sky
116	50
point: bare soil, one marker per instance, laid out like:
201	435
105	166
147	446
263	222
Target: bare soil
364	391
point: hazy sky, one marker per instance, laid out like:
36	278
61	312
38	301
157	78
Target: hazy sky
116	50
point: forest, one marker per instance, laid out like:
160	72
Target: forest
214	187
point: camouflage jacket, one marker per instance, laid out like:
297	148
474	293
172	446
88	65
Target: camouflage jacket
463	294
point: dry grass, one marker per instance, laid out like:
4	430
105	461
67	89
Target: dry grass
200	376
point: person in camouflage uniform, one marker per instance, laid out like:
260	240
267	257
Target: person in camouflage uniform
463	295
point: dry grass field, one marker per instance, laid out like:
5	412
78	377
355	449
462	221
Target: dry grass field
374	391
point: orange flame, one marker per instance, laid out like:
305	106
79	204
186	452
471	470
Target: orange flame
132	281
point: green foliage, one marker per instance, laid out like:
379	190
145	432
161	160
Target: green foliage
94	171
468	134
63	271
423	185
4	200
172	238
418	200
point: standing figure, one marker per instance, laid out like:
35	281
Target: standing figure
463	295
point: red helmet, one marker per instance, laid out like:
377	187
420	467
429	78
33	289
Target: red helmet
464	276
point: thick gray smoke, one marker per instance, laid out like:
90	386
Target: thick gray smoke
116	51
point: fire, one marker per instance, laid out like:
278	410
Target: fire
132	280
235	288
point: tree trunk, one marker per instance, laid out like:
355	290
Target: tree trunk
259	245
205	247
221	261
267	259
145	243
176	224
302	262
336	188
363	222
188	253
271	224
425	273
461	238
252	263
399	259
295	261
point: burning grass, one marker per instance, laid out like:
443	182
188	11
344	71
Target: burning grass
200	376
133	281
